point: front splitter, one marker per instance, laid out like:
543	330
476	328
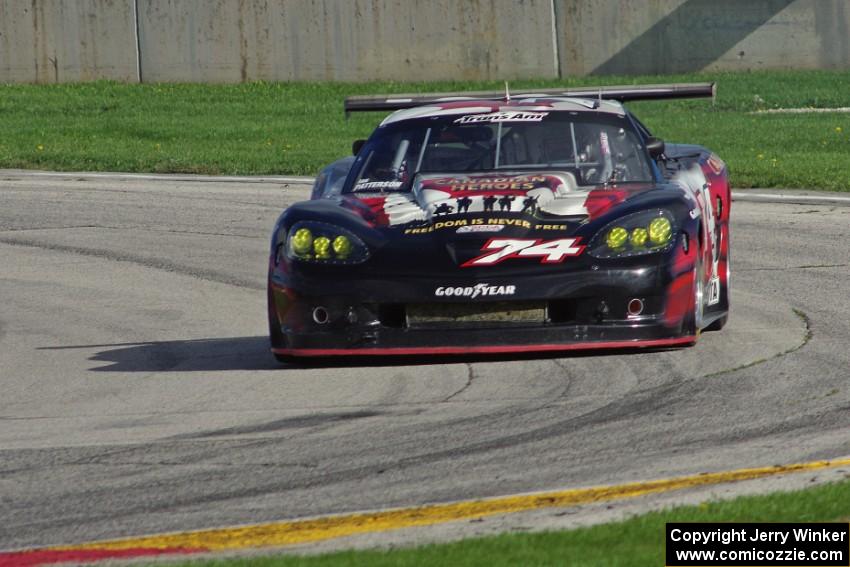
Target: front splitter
486	349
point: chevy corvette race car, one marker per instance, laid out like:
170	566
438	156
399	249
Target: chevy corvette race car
485	222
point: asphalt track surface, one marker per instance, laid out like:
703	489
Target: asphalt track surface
138	394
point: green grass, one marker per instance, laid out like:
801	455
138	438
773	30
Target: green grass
295	128
636	541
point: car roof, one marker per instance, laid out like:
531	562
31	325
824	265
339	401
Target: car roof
459	105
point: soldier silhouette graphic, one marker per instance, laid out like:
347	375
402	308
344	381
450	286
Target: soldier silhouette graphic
443	209
529	204
505	203
463	204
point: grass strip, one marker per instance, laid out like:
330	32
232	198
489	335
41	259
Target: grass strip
635	541
296	128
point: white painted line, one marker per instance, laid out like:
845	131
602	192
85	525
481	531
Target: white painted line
840	109
778	198
160	177
741	195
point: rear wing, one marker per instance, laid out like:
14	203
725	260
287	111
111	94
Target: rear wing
620	93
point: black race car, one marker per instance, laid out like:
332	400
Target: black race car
485	222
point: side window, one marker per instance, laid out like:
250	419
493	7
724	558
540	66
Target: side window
388	163
644	131
625	151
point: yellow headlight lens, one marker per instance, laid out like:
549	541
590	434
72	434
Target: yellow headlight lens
660	231
638	237
617	237
322	247
302	241
342	247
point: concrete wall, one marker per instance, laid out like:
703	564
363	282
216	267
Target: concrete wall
346	40
356	40
51	41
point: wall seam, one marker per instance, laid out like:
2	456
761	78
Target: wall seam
138	40
556	47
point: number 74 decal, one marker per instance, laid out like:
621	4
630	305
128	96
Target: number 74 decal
549	251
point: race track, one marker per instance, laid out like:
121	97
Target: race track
139	396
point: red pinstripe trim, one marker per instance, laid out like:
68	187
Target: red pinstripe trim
489	349
31	558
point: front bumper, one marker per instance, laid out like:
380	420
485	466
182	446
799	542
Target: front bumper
583	311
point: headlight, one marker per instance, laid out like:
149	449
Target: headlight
645	232
322	243
302	241
660	231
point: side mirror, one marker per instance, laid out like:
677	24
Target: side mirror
655	146
356	146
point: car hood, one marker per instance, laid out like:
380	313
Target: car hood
446	221
491	199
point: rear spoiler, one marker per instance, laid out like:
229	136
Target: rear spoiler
622	93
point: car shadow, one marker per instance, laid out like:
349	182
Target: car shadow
252	354
192	355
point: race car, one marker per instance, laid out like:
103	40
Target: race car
500	223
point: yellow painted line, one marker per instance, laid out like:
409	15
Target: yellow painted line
328	527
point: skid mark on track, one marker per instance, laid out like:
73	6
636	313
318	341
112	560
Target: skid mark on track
312	420
805	267
470	376
156	264
806	338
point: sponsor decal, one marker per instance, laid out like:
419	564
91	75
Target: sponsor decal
477	290
522	183
549	251
366	185
714	291
493	186
483	224
552	227
502	117
456	223
711	225
695	181
480	228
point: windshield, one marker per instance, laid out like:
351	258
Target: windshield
597	148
